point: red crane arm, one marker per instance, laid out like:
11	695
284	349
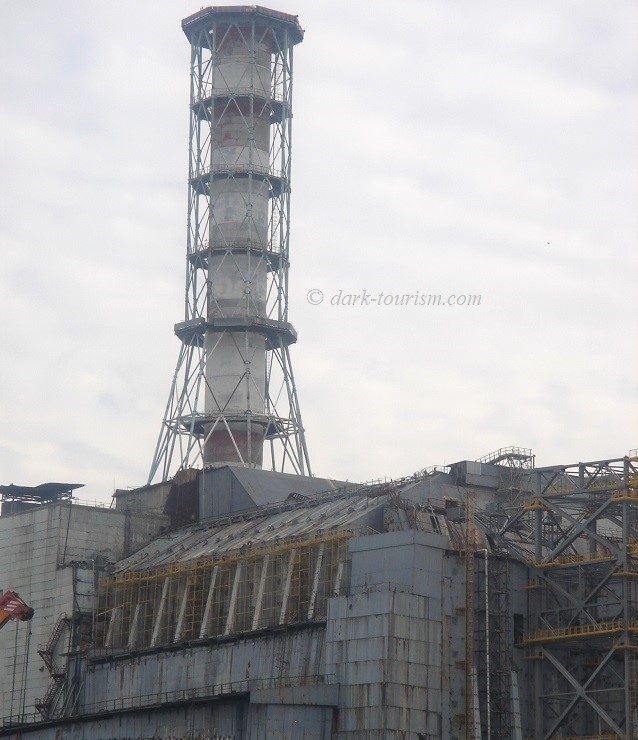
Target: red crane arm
13	607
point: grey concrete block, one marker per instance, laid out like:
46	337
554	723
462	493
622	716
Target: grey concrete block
374	648
365	671
320	695
361	695
417	674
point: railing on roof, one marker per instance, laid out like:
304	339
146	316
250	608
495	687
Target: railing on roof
90	502
208	92
160	698
432	469
523	455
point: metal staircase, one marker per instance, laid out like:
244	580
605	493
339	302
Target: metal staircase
47	704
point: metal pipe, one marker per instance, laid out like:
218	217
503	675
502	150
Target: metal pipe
488	684
538	668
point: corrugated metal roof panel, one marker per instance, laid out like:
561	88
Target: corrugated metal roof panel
209	538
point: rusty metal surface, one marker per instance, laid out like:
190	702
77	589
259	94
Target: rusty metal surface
209	538
182	504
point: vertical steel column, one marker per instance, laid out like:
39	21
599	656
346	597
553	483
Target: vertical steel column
538	666
209	603
260	592
626	604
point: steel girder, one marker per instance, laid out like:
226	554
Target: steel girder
576	527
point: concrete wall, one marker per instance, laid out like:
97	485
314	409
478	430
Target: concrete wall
159	678
384	639
224	719
453	646
146	498
389	662
293	654
381	652
41	556
219	720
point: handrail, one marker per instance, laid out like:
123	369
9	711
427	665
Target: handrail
229	169
264	92
581	630
521	452
159	698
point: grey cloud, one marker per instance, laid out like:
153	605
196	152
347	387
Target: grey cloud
481	147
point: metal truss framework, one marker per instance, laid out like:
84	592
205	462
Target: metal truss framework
578	532
285	583
237	245
488	633
493	644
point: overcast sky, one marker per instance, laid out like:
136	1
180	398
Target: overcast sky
441	147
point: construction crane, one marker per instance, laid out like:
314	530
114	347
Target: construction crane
13	607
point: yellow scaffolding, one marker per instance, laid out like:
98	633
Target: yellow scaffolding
577	631
581	559
280	583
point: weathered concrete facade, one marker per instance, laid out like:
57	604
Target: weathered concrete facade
52	554
386	662
415	608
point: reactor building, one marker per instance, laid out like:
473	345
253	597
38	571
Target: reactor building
236	594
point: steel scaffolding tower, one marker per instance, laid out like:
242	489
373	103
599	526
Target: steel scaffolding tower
493	613
494	643
472	710
578	533
233	389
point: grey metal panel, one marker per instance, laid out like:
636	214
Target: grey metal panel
267	486
319	695
233	488
408	561
196	721
251	659
212	537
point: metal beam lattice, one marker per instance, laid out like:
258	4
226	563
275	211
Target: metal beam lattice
576	527
233	397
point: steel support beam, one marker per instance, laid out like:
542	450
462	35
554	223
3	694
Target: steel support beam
157	625
581	695
182	611
260	592
288	582
315	582
230	619
209	603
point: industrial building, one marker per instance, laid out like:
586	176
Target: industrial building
236	594
485	599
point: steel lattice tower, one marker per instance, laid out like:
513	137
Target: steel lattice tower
233	389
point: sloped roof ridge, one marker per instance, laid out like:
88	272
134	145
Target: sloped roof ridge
371	488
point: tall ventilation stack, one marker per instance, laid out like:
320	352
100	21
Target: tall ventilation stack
233	392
